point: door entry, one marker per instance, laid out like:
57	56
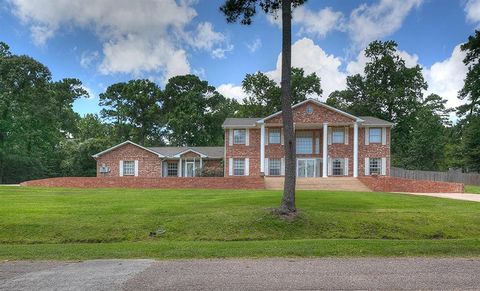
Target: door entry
306	168
190	169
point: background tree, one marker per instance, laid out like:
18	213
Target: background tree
194	112
264	94
471	88
246	9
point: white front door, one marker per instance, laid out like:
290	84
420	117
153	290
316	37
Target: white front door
306	168
190	169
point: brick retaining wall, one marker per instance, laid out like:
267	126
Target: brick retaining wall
145	182
391	184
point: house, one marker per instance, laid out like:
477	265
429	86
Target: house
329	142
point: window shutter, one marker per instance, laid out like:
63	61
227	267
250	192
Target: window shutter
267	135
136	168
384	166
230	137
266	168
367	167
317	145
247	167
281	136
230	166
367	136
282	166
179	168
347	131
329	138
384	135
330	166
247	137
120	169
345	172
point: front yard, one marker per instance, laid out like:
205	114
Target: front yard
472	189
48	223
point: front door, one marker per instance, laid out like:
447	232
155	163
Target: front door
190	169
306	168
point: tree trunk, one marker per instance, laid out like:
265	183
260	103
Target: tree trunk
288	201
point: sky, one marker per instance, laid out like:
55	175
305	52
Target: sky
102	42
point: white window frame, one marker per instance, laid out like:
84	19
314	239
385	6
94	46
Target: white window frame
127	167
277	139
341	167
171	169
302	138
278	167
239	138
237	162
379	136
373	170
335	133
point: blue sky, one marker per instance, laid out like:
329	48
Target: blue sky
103	42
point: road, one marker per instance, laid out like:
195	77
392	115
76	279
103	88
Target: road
243	274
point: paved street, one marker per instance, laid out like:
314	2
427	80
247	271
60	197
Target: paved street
243	274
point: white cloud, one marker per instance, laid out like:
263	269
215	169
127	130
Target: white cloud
472	8
231	91
137	36
446	78
313	59
376	21
255	45
88	58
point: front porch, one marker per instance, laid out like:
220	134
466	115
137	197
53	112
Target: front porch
333	183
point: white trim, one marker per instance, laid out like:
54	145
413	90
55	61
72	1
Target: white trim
384	135
355	150
262	148
230	166
267	169
346	165
120	168
384	166
367	136
282	138
136	168
319	104
330	166
247	137
367	167
230	137
325	150
330	133
247	167
179	168
282	166
346	135
189	150
124	143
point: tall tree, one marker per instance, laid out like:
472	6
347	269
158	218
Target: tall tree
471	87
246	9
263	93
135	109
194	112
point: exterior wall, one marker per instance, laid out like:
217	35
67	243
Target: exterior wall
320	115
149	164
372	150
252	152
145	182
391	184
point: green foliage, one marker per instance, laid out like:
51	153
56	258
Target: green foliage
194	112
471	144
264	94
471	88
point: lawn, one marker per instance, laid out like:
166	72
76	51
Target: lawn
49	223
472	189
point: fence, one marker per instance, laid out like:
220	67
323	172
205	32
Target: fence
450	176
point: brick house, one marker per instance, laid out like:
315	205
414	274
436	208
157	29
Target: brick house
329	142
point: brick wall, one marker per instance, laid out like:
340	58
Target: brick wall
143	182
252	152
391	184
320	114
149	164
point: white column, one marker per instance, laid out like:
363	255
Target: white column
179	168
355	150
262	148
325	149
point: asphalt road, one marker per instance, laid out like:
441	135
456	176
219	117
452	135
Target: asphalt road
244	274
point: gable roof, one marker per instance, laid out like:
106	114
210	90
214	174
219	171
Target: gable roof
317	103
124	143
370	120
244	122
204	152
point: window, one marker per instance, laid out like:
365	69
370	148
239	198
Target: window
238	167
274	167
338	135
128	168
274	135
239	136
375	166
304	142
338	166
309	109
375	135
172	169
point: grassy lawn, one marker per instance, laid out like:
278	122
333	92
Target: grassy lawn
472	189
47	223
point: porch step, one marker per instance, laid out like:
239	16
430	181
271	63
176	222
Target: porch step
330	183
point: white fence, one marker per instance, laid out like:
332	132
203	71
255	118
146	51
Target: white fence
450	176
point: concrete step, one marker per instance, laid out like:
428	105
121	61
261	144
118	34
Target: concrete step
330	183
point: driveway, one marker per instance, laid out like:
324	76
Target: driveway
244	274
457	196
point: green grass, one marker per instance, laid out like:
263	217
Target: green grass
49	223
472	189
